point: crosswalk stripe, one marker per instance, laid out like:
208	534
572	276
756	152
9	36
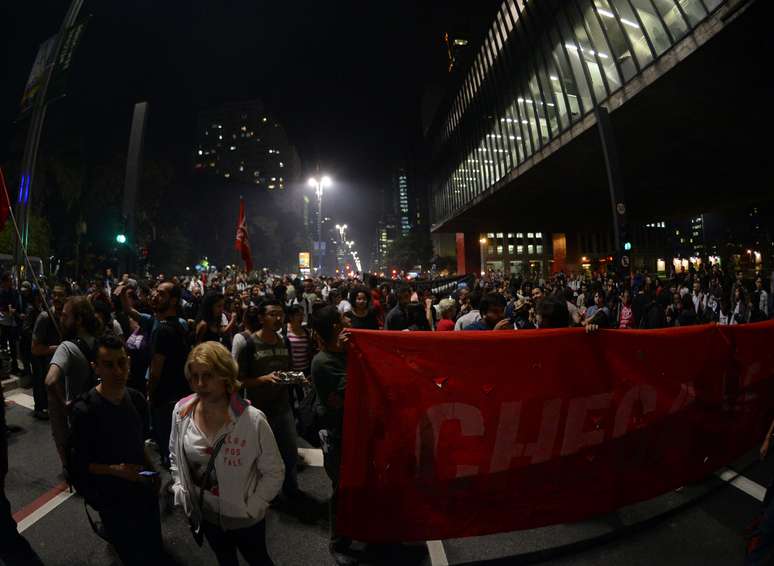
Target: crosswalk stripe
743	483
22	399
311	456
437	553
42	506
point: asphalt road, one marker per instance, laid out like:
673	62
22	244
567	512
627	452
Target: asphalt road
700	524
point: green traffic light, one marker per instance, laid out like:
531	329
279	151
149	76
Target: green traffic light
121	238
627	246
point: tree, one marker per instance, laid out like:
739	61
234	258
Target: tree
414	249
40	237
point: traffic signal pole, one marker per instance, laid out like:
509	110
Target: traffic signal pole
616	186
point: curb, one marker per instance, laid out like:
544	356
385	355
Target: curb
10	384
708	487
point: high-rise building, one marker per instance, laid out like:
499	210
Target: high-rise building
402	194
545	81
241	142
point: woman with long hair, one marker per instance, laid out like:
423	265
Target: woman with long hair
212	325
225	464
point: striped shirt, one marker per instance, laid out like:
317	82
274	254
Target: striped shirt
299	348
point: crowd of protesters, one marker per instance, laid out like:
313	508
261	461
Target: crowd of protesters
192	366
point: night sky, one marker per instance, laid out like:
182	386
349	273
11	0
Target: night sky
344	78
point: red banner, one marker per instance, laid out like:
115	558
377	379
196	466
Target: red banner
242	243
455	434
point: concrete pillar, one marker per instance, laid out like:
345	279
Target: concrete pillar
468	253
559	249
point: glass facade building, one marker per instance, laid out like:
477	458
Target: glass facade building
543	67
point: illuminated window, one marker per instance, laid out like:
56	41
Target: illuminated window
530	249
519	250
539	235
539	249
530	236
490	235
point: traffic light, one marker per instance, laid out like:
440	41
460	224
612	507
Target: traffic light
121	238
627	246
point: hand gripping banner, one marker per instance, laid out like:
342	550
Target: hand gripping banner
455	434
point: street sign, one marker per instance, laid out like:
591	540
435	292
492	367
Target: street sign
625	261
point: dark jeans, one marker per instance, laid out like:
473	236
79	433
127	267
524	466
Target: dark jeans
14	549
39	393
25	349
133	527
283	425
251	543
8	340
161	419
332	464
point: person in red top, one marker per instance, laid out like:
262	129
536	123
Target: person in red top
447	309
625	313
376	300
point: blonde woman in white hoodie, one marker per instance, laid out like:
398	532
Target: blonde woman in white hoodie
224	460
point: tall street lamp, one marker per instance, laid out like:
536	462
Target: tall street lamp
319	185
482	241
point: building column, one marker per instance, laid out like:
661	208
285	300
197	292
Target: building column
468	253
559	252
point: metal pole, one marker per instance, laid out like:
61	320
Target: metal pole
615	185
319	228
33	136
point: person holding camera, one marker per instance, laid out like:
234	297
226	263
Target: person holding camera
225	464
107	461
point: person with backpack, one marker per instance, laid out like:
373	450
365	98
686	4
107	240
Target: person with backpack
250	324
169	350
226	465
70	372
107	460
264	355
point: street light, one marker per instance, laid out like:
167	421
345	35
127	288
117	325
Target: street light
319	186
482	241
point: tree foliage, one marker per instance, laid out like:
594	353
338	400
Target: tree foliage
414	249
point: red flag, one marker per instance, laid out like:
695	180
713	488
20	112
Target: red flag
5	202
242	241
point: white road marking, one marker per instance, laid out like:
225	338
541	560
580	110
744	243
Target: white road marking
437	553
22	399
311	456
750	487
44	510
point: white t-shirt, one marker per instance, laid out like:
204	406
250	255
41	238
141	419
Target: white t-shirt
344	306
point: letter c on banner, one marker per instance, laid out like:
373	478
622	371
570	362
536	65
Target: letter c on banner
645	394
574	437
471	424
